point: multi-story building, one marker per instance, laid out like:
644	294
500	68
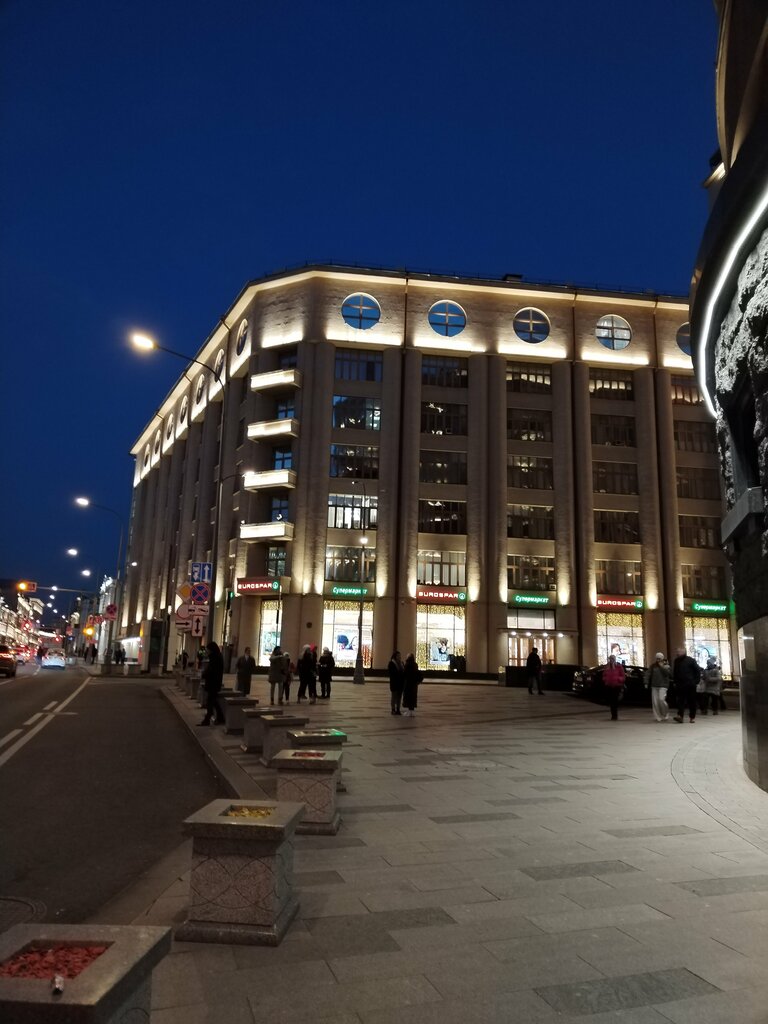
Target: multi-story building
485	465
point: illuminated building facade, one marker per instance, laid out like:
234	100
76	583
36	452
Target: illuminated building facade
485	465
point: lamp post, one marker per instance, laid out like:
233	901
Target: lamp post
144	341
87	503
359	675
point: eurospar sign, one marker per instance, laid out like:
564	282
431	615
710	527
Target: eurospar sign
258	585
620	604
441	595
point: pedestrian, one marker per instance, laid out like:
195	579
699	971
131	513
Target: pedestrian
213	678
200	658
276	674
613	681
713	686
396	681
686	675
184	660
289	670
658	677
244	669
307	678
411	679
325	667
94	653
533	667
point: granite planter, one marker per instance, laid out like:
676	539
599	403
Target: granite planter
113	989
276	734
320	739
192	683
202	694
234	719
253	739
241	888
310	777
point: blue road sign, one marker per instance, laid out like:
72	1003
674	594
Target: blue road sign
202	572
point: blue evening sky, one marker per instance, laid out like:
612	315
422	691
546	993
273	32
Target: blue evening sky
156	155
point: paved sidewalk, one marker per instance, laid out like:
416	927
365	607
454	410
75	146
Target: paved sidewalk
502	858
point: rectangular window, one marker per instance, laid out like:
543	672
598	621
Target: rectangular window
241	433
529	425
699	532
441	568
440	418
442	516
444	372
529	472
536	522
357	412
276	559
617	527
345	565
530	572
279	510
282	458
358	364
285	408
288	359
693	482
614	477
442	467
618	431
614	577
685	392
605	383
355	460
529	378
694	436
353	512
707	581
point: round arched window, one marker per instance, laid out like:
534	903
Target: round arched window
147	454
218	366
156	446
447	318
360	311
169	428
242	337
531	325
684	338
613	332
200	389
184	409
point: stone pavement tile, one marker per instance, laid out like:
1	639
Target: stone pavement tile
237	1011
522	906
747	1006
522	801
283	979
404	962
512	887
730	884
334	903
578	920
307	878
608	994
385	900
575	870
518	1007
432	778
651	830
464	852
176	982
464	935
505	977
661	896
345	936
302	843
374	808
592	945
330	1002
455	819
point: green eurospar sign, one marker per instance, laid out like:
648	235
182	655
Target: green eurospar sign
712	607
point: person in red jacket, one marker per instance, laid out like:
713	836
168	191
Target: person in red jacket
613	681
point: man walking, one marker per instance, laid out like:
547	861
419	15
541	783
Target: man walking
244	670
533	666
685	675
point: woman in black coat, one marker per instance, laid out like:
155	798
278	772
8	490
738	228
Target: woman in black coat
412	677
213	678
396	681
307	678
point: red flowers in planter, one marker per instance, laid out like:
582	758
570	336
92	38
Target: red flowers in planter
47	961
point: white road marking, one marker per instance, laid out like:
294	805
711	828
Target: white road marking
9	736
40	725
51	705
34	718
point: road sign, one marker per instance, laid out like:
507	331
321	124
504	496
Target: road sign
202	572
199	623
183	611
110	612
183	626
200	593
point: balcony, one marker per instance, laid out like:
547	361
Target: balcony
257	481
273	428
279	530
276	379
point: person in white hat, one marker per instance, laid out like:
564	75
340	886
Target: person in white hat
659	677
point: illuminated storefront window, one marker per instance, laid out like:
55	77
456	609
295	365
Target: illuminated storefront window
340	631
440	635
620	634
269	636
529	629
709	637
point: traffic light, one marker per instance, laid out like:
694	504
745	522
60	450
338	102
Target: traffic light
230	595
26	586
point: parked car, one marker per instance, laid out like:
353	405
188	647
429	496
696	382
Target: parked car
54	657
588	682
22	655
7	661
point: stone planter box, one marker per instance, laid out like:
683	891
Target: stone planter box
116	987
192	682
310	777
202	697
234	719
320	739
276	734
241	888
132	670
253	740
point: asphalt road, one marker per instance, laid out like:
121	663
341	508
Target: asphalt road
96	777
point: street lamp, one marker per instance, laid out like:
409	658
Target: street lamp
359	676
87	503
144	341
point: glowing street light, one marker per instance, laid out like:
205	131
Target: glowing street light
83	502
87	503
86	572
73	552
